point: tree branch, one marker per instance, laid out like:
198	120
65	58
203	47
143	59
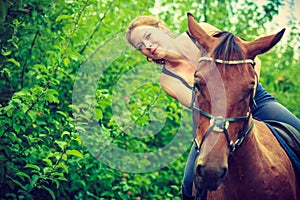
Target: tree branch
26	59
97	27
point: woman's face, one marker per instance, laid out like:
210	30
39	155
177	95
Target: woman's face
153	42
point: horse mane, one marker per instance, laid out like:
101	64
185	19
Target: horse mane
227	48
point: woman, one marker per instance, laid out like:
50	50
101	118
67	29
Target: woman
179	57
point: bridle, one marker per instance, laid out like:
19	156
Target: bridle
219	124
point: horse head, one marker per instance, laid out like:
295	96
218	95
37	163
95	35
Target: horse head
224	88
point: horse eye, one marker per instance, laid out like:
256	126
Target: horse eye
197	85
196	74
251	91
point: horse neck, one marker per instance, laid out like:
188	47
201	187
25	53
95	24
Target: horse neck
249	154
255	165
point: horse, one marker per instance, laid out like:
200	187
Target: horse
239	157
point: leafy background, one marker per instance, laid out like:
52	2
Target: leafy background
43	45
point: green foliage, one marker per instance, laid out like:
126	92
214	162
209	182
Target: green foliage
46	149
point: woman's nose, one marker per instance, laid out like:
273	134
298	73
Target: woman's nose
147	43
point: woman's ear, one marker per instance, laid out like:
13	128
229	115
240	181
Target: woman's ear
149	59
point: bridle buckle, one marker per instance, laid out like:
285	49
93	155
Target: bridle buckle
219	124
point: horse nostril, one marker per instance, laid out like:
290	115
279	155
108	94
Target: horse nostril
224	172
199	170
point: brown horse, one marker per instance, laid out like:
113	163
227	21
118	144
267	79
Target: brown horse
239	157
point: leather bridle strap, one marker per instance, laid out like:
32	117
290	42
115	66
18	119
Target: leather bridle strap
219	124
229	62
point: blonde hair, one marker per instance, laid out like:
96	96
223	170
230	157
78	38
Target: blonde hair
145	20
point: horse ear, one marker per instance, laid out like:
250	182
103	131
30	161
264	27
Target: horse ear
199	34
263	44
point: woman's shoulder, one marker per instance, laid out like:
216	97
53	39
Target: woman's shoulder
169	75
176	87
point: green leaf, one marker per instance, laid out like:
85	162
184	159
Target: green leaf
24	108
7	53
74	107
63	166
11	195
62	17
74	55
56	183
48	161
22	175
47	170
32	114
34	180
61	144
13	137
64	157
62	178
51	96
175	187
74	153
12	60
6	72
32	166
98	113
66	61
62	113
107	193
78	140
50	191
19	184
65	133
21	93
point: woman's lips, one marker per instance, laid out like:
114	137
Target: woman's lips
154	51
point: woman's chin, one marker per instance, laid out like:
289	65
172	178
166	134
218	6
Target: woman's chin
159	55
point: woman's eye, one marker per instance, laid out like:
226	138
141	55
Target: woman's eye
148	36
140	47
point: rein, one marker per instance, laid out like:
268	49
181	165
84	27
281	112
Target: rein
218	123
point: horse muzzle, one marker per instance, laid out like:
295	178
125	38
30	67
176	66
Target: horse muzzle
209	178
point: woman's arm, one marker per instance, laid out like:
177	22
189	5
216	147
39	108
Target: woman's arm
176	89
